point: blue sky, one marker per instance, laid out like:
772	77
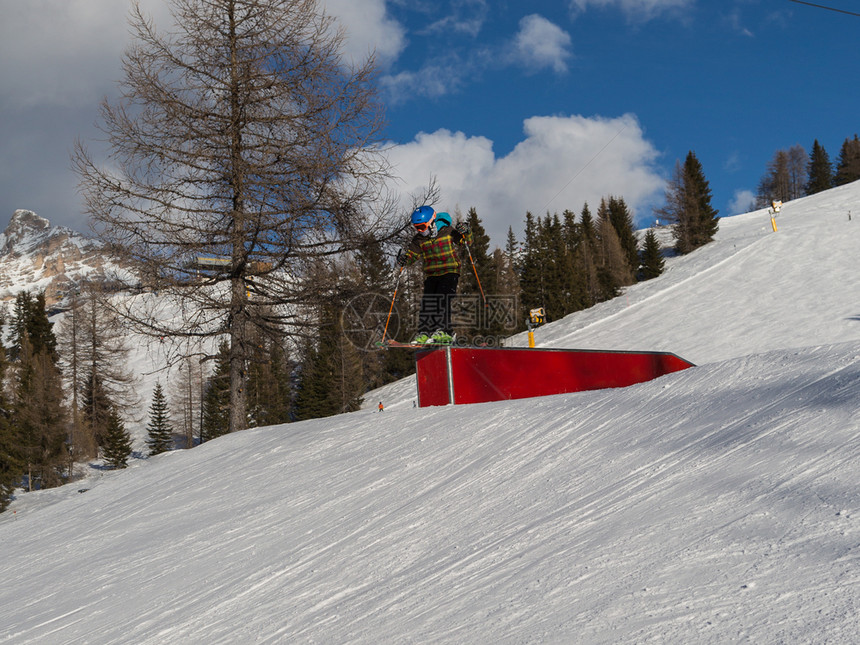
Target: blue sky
512	105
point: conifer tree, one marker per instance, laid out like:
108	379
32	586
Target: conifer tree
11	464
470	301
373	289
652	263
117	447
622	222
81	443
512	246
30	320
556	272
530	268
819	170
587	255
11	461
159	431
706	221
688	206
797	174
576	292
613	268
503	314
848	166
269	396
374	272
315	386
509	282
95	408
570	231
349	379
38	413
216	398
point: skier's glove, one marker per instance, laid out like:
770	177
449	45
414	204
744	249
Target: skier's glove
463	228
401	258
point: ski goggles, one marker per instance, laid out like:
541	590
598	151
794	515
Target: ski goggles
423	226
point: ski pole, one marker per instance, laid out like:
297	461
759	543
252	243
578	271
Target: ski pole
475	269
391	308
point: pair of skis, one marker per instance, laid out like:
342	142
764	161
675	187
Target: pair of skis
388	343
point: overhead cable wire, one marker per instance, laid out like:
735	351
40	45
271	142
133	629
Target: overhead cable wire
821	6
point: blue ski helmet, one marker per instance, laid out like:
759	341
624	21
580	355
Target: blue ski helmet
423	215
443	219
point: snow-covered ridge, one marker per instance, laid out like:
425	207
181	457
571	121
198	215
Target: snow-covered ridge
36	256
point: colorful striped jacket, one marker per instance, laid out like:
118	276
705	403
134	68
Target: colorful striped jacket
439	253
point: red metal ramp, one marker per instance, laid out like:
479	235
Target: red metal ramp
477	374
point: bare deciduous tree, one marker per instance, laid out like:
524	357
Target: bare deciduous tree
244	150
96	351
785	178
187	398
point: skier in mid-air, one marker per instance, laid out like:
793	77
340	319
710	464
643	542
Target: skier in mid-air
436	244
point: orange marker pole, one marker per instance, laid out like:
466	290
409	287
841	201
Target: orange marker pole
475	269
391	308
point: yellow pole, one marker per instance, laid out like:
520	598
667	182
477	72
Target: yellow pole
773	223
531	339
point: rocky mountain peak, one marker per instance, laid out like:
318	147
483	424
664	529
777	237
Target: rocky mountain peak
36	256
24	228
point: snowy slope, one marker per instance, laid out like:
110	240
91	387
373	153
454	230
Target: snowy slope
750	291
714	505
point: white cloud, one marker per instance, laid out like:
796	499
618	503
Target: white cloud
561	163
540	43
742	202
467	17
432	80
633	9
733	162
369	29
58	58
67	52
63	52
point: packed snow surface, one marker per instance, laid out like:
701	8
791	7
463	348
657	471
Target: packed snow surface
719	504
